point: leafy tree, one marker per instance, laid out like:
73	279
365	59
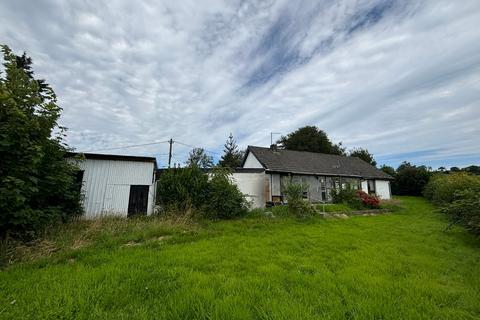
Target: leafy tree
37	183
410	179
232	156
198	158
310	138
472	169
364	155
455	169
388	170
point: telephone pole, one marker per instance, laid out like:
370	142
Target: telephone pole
170	152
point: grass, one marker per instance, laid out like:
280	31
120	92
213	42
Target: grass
396	266
334	207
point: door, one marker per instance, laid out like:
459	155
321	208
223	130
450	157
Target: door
138	200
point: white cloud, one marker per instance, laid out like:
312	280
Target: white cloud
398	78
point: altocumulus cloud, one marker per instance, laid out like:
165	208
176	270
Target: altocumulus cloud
401	78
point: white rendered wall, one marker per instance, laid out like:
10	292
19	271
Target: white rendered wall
365	186
252	162
382	189
106	185
252	186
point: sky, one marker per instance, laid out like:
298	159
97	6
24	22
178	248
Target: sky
400	78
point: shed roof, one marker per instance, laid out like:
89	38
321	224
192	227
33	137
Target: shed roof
115	157
302	162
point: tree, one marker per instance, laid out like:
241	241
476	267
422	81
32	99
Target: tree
37	183
232	157
198	158
364	155
455	169
410	179
388	170
310	138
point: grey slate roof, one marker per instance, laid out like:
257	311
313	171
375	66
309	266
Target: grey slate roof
302	162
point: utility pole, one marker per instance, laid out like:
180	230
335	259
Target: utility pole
170	152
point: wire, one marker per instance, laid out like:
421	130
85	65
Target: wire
188	145
129	146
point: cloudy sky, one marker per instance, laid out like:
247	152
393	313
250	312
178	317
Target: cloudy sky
401	78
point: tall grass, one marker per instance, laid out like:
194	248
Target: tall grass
398	266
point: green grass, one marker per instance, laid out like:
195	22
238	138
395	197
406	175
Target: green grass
396	266
334	207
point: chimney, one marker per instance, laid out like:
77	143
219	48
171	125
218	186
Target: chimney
274	147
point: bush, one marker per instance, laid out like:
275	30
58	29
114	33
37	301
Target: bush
182	189
442	187
410	179
224	199
347	196
465	210
368	200
295	203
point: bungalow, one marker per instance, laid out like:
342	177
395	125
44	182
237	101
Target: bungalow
265	170
116	184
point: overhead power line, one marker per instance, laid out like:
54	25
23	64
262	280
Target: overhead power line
129	146
189	145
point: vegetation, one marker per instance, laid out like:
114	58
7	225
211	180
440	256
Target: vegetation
364	155
355	199
199	158
232	157
312	139
37	183
458	195
398	266
182	189
410	179
295	202
442	187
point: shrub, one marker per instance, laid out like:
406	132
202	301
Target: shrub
347	196
181	189
442	187
224	199
410	179
368	200
465	210
295	203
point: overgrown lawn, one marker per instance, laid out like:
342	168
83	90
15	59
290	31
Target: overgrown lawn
395	266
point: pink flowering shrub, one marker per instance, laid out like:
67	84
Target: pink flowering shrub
368	200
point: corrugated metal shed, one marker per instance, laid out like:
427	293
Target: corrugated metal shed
107	181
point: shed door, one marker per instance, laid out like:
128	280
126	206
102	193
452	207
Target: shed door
138	201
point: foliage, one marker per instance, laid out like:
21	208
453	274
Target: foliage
388	170
180	189
225	200
442	187
384	267
355	199
295	202
410	179
465	209
368	200
199	158
364	155
312	139
37	183
232	157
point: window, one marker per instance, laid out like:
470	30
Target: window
371	186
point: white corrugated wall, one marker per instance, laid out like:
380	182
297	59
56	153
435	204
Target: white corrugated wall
106	185
252	186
